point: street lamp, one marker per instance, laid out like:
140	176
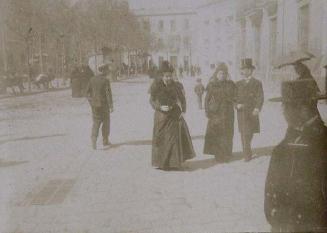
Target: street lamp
62	36
28	41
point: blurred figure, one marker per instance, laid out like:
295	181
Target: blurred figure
51	77
199	91
219	107
12	80
249	104
171	144
85	76
75	82
99	96
296	184
153	71
180	71
42	80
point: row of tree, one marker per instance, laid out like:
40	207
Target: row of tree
58	34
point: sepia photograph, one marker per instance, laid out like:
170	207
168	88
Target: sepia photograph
163	116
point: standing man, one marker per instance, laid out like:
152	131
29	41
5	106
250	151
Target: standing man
249	103
296	184
199	90
99	96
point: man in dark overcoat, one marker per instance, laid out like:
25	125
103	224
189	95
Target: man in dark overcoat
295	190
99	95
249	102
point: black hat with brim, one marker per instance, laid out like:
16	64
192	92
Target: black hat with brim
246	63
166	68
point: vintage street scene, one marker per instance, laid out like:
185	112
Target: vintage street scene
148	116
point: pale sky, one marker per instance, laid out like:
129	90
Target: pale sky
137	4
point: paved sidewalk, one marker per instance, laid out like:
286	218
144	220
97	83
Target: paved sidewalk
52	181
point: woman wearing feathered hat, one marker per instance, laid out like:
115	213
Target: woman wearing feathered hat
171	144
219	107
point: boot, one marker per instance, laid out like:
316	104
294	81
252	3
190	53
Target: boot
106	142
94	143
248	157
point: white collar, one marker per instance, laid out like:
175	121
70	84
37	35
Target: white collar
248	79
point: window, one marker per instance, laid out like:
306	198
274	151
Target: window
186	24
146	25
172	25
186	42
161	26
303	26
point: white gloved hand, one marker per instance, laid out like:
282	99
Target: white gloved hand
164	108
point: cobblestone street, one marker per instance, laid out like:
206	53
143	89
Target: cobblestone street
52	180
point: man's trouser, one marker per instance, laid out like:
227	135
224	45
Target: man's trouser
101	115
246	144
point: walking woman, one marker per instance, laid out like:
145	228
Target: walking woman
219	107
171	144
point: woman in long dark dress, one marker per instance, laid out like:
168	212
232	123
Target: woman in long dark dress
171	144
219	107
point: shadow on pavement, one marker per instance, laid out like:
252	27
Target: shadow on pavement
145	142
207	163
11	163
30	138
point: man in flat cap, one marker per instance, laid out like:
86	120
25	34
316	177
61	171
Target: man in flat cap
249	102
99	95
295	190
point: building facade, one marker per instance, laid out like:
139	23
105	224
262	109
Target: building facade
215	35
227	31
270	29
172	33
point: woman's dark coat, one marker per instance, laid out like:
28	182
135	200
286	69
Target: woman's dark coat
219	107
171	144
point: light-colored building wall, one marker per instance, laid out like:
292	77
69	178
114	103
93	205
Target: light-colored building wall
264	30
270	29
215	34
172	33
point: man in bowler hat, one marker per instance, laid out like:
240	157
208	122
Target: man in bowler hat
249	102
99	96
296	189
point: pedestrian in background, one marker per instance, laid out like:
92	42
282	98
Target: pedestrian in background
296	183
219	107
171	144
181	71
99	95
249	103
199	91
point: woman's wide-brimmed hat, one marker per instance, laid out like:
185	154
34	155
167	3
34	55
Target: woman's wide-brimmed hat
166	68
222	67
246	63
